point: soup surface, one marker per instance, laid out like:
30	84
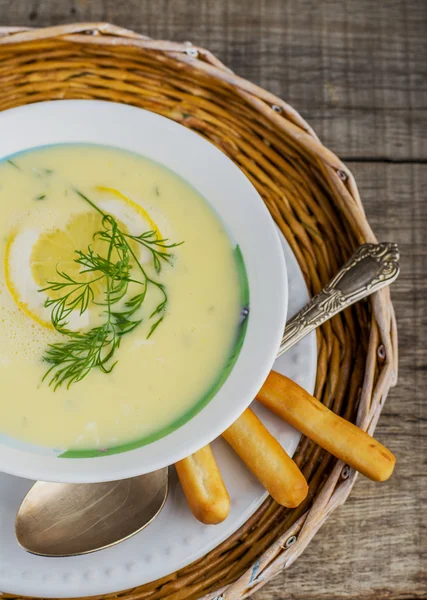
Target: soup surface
140	332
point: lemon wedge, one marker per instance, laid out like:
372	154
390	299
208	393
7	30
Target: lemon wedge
33	256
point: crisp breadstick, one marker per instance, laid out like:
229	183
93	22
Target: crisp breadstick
203	486
338	436
267	460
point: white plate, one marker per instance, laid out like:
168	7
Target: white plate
175	539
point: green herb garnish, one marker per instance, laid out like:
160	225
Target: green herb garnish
83	351
13	164
40	197
42	172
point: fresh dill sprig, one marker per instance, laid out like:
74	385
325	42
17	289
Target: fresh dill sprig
77	296
13	164
71	361
83	351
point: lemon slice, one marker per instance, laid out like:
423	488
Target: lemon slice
55	251
33	256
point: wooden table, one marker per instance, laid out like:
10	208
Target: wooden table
357	71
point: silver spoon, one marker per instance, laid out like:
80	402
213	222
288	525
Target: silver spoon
68	519
62	519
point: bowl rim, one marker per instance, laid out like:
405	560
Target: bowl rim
214	175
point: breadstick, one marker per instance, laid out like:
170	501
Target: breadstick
267	460
203	486
333	433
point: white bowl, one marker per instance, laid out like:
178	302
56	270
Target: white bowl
240	207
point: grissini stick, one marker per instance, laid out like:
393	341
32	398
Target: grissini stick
293	404
267	460
203	486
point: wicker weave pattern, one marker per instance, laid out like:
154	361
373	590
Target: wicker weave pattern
314	200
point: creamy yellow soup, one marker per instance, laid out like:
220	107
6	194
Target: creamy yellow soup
166	366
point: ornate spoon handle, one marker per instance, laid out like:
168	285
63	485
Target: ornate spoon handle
371	267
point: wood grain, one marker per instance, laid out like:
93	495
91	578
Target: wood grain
354	69
357	72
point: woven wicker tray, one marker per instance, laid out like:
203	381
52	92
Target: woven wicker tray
314	200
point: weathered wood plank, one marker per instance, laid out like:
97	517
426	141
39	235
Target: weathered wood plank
356	70
375	546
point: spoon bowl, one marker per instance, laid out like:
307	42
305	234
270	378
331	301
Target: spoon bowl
60	519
